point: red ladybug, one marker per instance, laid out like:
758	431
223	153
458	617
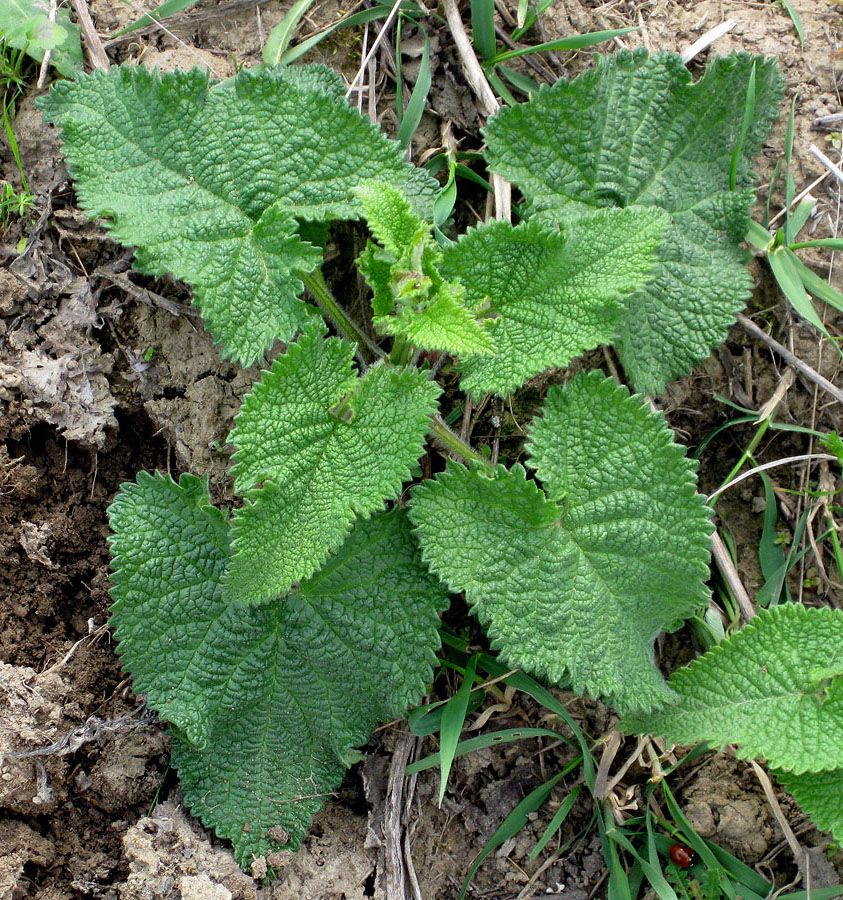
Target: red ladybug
682	855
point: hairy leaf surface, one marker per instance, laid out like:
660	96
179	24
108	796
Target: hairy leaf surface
580	578
317	446
775	688
637	131
266	702
819	794
208	181
555	293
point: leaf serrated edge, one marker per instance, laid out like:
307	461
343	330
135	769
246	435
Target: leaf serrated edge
129	495
726	646
657	425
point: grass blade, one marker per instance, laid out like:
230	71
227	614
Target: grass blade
498	84
829	893
758	236
506	736
789	186
511	825
167	8
359	18
748	116
770	554
425	720
521	82
619	887
799	217
576	42
815	285
418	99
791	10
523	682
280	36
530	18
453	719
830	243
483	27
443	206
557	821
783	263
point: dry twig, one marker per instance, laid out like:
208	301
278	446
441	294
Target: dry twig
96	51
790	358
45	63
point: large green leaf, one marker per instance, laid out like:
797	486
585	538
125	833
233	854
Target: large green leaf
775	688
555	293
582	577
208	182
317	446
266	702
820	794
637	131
26	25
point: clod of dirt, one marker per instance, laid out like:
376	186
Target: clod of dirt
21	847
51	361
194	393
125	774
332	864
723	808
170	860
31	717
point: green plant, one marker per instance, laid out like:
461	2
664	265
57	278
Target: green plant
774	689
12	202
273	638
797	282
26	25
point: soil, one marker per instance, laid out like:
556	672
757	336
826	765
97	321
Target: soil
104	373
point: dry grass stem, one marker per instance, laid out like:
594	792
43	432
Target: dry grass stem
730	574
815	151
707	40
487	101
45	63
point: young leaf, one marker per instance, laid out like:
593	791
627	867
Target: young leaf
208	181
775	688
636	130
411	299
580	578
317	446
556	293
818	793
266	702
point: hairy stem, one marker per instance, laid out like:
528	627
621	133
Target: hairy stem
455	444
315	282
402	351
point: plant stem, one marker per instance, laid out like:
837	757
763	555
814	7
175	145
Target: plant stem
455	444
402	351
315	282
747	454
